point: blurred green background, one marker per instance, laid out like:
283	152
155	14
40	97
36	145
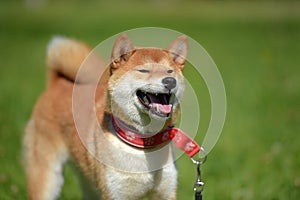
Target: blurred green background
255	44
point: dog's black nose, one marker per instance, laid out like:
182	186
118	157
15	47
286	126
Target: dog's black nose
169	82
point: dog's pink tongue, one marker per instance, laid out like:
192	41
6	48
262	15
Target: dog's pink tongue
162	108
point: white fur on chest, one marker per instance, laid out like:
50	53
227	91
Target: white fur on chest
123	185
133	173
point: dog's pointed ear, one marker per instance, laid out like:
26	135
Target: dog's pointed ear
178	50
121	51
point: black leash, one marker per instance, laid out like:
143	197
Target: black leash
199	185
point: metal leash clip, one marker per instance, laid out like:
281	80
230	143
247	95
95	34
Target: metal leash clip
199	185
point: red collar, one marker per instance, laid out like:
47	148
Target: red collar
180	139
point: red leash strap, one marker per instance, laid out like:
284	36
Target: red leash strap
184	142
180	139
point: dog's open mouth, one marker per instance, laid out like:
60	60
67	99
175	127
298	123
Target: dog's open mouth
158	103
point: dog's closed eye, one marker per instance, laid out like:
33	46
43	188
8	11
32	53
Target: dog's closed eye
143	70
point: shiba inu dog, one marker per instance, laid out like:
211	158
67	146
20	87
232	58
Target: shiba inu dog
135	101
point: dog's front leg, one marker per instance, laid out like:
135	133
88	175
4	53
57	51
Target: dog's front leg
165	184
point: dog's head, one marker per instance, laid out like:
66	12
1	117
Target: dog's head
146	84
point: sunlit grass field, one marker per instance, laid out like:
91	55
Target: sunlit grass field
256	47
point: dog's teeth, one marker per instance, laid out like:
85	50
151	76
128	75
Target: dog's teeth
146	100
155	94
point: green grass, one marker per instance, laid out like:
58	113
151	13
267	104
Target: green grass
255	45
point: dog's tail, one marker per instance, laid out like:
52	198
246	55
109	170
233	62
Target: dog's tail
64	58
